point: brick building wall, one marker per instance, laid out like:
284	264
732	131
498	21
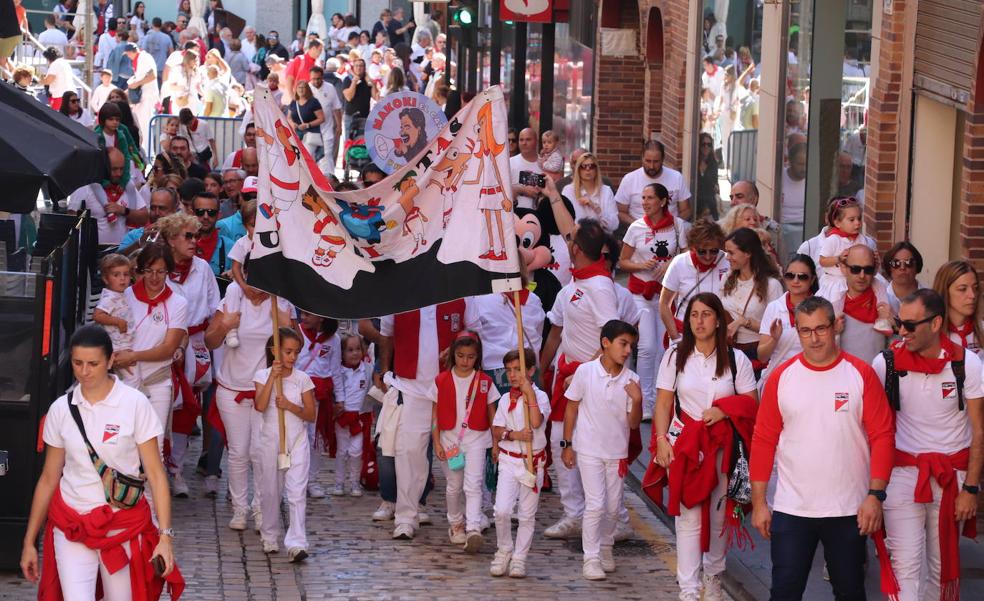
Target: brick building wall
972	186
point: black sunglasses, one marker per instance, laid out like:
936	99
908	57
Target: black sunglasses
900	263
909	325
856	269
209	212
192	235
790	276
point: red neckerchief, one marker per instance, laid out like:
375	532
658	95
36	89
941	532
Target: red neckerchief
194	125
514	394
135	59
181	271
701	268
791	309
111	33
314	337
524	295
206	245
862	307
665	222
140	291
113	192
598	268
906	360
836	231
964	331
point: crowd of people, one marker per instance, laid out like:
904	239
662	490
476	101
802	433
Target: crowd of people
772	373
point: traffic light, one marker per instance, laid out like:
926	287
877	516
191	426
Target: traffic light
464	15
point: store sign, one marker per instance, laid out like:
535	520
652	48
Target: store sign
400	126
529	11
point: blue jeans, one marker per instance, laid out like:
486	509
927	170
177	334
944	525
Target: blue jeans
387	476
794	543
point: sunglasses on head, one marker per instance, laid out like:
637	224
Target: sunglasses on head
209	212
789	276
909	325
707	252
900	263
856	269
843	201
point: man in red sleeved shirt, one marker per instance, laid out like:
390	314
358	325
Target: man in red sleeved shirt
826	423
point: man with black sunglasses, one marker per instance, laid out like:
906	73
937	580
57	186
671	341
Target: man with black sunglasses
863	312
212	246
939	421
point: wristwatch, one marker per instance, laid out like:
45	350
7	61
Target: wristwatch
974	490
166	532
564	444
878	494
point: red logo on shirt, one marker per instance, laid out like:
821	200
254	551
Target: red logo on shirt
840	401
949	390
577	295
110	433
324	351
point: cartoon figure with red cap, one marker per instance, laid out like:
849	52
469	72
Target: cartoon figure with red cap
329	245
285	169
492	200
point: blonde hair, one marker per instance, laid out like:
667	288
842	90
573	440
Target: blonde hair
578	185
248	210
729	222
112	261
172	225
551	135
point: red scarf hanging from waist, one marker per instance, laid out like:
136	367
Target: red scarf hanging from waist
862	307
648	290
350	420
92	530
598	268
943	468
140	291
964	331
906	360
181	271
206	246
701	267
558	401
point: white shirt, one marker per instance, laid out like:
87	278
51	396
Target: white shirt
151	328
647	244
582	308
930	420
416	414
735	304
53	37
470	438
811	247
106	45
893	300
972	343
713	82
515	420
115	426
833	246
697	386
238	365
630	190
248	49
517	164
146	65
602	429
352	384
114	304
294	387
111	227
683	278
793	199
199	137
561	267
328	98
321	359
63	78
493	318
788	345
604	198
858	338
240	249
99	97
200	290
628	310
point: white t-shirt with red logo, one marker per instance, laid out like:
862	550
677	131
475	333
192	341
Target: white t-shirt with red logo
515	420
683	278
698	386
662	245
351	386
152	326
582	308
321	359
602	429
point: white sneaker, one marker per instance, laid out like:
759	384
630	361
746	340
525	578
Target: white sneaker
592	570
608	560
211	486
238	521
474	541
565	528
296	555
484	523
422	516
257	520
338	491
356	491
315	491
500	563
517	568
623	532
384	513
232	338
403	532
647	415
178	486
712	588
270	547
456	534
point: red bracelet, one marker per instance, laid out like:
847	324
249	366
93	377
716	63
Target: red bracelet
662	436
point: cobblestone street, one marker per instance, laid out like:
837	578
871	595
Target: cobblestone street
354	558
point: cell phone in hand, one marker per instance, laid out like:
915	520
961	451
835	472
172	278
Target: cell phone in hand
528	178
159	566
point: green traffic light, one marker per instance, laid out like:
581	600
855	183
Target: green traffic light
464	16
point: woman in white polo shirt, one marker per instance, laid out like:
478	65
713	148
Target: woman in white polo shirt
160	316
700	270
649	244
960	286
692	376
70	495
752	283
778	339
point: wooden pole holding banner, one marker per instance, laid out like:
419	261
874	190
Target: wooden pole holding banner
522	369
283	460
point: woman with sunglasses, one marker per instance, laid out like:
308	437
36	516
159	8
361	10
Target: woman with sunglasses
778	339
71	107
698	382
960	286
700	270
899	267
592	198
752	283
707	178
649	244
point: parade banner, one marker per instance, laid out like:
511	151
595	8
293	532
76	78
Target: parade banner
400	126
439	228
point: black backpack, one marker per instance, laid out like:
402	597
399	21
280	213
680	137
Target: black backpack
892	380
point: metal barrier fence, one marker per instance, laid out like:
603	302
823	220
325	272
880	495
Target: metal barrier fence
226	131
854	102
742	146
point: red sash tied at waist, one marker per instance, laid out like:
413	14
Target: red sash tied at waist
558	401
648	290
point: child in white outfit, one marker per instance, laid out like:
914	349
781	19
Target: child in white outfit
351	388
512	434
320	358
551	160
297	401
237	256
605	402
113	312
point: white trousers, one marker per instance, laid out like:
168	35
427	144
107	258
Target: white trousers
464	488
348	456
603	489
327	162
240	420
160	399
508	491
914	535
568	481
143	112
689	556
314	460
273	483
79	567
651	331
412	471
